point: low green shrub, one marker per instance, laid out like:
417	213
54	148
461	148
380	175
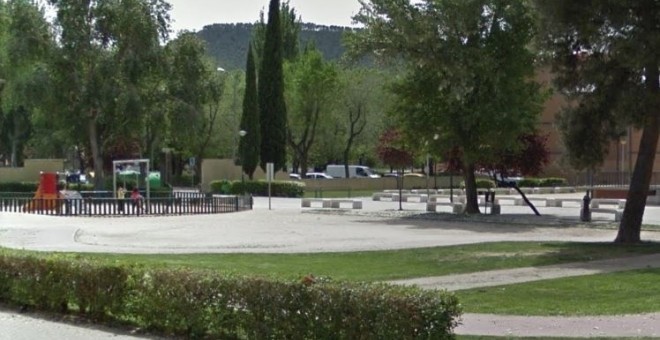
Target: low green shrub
553	182
258	188
529	183
483	183
18	186
202	304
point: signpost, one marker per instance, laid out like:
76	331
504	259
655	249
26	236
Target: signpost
270	174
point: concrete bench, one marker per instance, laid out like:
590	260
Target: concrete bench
378	196
405	197
560	202
422	198
597	202
334	203
457	208
617	213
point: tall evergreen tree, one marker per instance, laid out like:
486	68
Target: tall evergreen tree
249	144
272	107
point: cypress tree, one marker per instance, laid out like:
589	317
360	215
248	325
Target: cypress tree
250	143
272	108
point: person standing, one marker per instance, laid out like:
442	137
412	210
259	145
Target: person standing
121	194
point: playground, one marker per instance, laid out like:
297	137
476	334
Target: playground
52	198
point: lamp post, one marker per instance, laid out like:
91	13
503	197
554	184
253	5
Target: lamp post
428	165
623	141
241	134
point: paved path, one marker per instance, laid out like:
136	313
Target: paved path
15	326
519	275
287	229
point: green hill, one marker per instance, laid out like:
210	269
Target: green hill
228	43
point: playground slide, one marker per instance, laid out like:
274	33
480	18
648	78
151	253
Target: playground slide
46	196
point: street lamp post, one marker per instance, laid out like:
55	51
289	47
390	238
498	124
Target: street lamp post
241	134
623	141
428	165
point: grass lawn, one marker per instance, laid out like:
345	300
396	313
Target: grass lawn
628	292
388	265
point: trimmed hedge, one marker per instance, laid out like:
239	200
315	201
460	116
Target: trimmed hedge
529	183
553	182
258	188
19	186
196	304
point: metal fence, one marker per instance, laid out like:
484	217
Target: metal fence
92	206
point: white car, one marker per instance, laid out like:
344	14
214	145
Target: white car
317	175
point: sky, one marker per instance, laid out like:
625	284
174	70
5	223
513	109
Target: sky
195	14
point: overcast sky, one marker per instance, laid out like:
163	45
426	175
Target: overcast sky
195	14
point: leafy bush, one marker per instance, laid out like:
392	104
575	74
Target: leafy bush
529	183
258	188
553	182
485	183
482	183
201	304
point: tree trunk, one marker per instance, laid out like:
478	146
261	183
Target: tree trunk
631	222
96	154
471	203
14	153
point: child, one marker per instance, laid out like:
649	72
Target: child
136	198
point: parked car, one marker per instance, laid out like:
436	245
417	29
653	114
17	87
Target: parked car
354	171
317	175
294	176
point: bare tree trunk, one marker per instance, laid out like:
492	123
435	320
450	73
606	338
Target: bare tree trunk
14	153
631	222
96	154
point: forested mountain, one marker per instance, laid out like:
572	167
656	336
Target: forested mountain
227	43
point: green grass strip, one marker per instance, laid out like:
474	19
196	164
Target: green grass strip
629	292
388	265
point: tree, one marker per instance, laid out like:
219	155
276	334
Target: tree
311	86
195	90
605	58
470	71
106	48
360	94
393	151
249	144
25	45
290	33
272	107
528	160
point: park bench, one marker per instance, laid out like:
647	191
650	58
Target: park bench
378	196
331	202
597	202
457	208
617	213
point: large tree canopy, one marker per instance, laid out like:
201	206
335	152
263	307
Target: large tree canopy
606	58
470	73
106	48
